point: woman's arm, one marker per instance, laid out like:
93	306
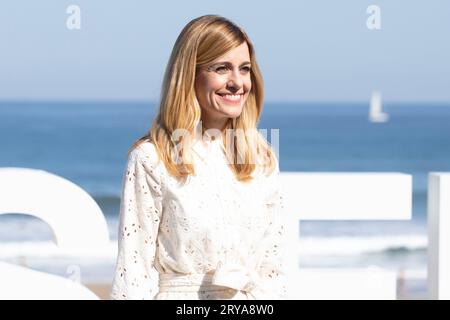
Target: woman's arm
140	214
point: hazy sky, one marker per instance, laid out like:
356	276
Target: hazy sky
307	50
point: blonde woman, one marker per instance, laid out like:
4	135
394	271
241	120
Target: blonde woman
201	203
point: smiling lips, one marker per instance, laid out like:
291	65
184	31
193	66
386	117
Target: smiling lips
231	98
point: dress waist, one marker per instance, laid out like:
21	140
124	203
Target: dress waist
188	282
225	277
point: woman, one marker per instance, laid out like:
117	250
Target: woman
200	203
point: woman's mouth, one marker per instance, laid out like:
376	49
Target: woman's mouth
234	99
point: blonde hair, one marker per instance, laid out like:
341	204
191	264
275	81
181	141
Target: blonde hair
201	41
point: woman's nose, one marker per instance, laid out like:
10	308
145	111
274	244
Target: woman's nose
235	81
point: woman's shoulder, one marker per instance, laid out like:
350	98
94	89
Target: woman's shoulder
145	152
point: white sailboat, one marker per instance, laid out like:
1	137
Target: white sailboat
375	112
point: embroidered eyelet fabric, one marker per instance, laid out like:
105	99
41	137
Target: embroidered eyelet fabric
210	237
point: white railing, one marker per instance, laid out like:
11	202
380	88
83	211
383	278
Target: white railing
439	235
342	196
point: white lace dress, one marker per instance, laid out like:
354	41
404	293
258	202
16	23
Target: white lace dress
212	237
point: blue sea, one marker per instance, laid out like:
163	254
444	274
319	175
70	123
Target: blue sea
87	143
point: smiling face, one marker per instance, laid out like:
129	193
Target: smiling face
222	87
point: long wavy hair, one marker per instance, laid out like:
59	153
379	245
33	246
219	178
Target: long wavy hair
202	41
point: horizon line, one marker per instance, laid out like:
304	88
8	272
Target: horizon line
288	102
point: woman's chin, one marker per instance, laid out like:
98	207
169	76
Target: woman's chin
232	113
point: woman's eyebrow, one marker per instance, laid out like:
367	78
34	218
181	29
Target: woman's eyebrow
230	64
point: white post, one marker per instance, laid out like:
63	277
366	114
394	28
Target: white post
439	235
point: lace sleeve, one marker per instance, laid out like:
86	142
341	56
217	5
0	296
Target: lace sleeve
140	214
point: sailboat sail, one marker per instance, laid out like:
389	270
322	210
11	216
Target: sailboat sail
375	113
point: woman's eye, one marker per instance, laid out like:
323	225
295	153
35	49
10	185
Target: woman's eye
221	69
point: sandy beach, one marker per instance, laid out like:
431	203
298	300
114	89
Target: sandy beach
102	290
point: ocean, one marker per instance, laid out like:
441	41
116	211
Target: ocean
87	143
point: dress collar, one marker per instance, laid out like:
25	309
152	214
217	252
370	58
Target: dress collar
205	148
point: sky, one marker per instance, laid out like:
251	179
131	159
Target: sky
320	51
